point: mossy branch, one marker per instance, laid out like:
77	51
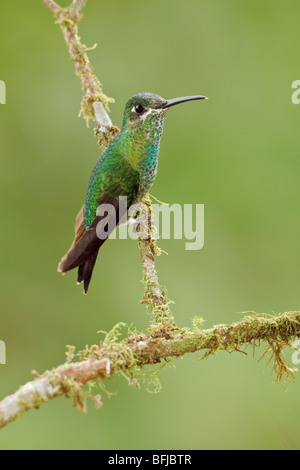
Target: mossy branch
164	339
94	104
130	355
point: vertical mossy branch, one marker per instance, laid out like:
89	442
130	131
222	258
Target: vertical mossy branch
155	297
148	250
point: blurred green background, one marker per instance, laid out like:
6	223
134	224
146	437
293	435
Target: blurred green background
238	153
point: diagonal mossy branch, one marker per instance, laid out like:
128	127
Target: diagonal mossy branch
126	357
95	103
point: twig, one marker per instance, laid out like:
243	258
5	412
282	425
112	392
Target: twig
94	104
76	8
52	5
148	249
155	297
62	380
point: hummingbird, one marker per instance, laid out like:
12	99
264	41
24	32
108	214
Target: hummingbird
127	168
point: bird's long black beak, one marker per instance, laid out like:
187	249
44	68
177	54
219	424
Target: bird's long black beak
183	99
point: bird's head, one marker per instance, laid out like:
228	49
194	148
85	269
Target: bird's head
147	108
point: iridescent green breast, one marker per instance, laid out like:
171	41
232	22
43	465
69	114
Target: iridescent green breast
149	168
149	162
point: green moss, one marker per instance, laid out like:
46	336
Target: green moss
198	322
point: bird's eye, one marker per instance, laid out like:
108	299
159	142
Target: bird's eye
139	109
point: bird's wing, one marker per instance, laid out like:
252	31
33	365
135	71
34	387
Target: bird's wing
88	241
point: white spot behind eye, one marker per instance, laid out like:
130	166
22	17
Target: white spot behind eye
146	113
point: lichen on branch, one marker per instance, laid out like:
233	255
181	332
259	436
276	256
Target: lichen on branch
129	357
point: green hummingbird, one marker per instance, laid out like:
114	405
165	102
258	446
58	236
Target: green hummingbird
126	169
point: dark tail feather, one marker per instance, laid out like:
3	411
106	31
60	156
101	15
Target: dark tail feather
85	271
